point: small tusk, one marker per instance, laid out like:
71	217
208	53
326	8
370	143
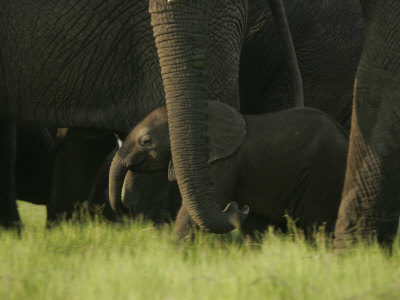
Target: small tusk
119	143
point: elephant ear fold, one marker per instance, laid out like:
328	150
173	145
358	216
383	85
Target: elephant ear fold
226	130
171	171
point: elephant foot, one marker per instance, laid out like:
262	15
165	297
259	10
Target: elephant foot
9	216
346	242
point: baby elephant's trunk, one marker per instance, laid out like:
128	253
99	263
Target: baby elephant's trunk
117	175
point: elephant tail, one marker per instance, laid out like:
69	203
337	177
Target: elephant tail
278	12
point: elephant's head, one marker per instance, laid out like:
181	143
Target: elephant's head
198	44
145	155
146	149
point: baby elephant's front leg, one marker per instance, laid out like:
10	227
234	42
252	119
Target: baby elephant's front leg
183	224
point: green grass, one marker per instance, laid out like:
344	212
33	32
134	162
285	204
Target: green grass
99	261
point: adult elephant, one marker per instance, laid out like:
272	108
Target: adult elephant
370	207
94	64
199	46
86	64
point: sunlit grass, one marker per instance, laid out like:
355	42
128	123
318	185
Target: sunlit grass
137	261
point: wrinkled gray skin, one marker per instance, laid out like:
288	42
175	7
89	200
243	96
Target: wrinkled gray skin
95	64
198	66
370	207
290	161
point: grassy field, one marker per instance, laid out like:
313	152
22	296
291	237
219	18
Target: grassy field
136	261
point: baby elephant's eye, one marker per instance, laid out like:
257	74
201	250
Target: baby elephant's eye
146	141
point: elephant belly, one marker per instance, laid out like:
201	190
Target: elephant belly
76	63
263	201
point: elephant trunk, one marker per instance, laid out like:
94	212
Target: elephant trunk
118	171
181	30
132	190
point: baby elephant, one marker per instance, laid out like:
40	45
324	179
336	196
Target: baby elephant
290	162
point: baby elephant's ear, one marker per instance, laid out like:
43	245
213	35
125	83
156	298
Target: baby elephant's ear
226	130
171	171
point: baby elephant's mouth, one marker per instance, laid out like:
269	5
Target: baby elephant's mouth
147	165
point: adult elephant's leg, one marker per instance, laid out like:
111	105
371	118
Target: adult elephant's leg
9	216
370	205
80	155
34	163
